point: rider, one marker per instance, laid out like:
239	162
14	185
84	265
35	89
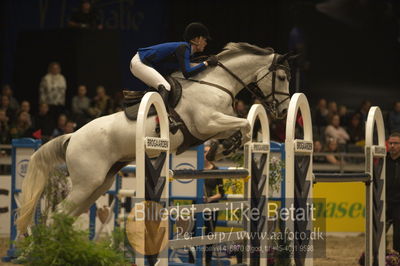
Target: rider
151	63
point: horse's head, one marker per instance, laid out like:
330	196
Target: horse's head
261	71
272	86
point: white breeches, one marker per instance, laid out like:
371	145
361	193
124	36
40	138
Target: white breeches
147	74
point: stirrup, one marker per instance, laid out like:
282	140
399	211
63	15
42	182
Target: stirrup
174	126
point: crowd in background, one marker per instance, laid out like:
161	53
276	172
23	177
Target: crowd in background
53	117
336	128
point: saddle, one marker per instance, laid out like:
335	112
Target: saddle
174	97
131	112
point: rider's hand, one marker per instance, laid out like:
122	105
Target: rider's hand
212	60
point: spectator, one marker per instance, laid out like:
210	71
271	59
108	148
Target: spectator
60	129
80	106
85	18
102	103
69	127
335	131
356	129
118	101
5	106
332	147
318	149
53	88
4	128
364	109
44	122
344	115
332	109
321	113
392	188
22	127
26	107
8	92
394	118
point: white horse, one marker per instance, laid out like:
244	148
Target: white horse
97	151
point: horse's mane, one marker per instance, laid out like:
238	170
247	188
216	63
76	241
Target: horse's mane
234	48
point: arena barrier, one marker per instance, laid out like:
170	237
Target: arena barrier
299	180
22	150
152	179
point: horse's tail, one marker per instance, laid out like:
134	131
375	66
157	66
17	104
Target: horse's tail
42	162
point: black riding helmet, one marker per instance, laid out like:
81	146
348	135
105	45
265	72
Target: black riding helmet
194	30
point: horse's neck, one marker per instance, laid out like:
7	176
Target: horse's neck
244	66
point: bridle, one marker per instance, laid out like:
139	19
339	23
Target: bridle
270	101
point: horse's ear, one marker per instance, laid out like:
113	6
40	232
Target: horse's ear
282	58
293	57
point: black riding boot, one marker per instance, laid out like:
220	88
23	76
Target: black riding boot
173	125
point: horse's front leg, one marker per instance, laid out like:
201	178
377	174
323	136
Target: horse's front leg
219	122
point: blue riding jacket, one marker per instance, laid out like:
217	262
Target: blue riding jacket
169	57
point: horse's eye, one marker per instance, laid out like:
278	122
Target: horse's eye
282	78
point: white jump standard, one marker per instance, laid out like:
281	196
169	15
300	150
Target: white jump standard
299	179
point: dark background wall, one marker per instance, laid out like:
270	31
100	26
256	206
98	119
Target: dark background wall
352	46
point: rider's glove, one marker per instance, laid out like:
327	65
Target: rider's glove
212	60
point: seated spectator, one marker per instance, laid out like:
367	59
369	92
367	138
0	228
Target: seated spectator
364	109
335	131
44	122
318	149
332	109
394	118
8	92
344	115
52	89
356	129
102	103
4	128
85	18
80	106
61	122
22	128
118	101
321	113
5	106
332	147
69	127
26	107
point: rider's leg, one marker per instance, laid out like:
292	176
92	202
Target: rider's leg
147	74
152	78
164	93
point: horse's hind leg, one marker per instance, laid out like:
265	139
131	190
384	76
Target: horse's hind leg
109	180
86	179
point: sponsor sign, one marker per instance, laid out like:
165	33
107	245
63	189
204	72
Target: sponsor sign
156	143
303	146
379	151
260	147
345	210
